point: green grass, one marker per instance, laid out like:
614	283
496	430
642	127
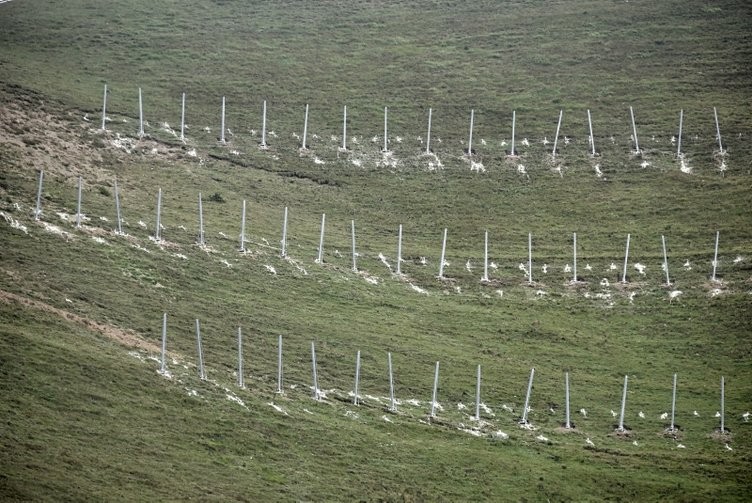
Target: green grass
86	418
88	395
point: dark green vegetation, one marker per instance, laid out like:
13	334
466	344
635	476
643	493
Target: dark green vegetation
86	418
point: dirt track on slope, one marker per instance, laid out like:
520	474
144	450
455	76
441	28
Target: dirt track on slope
126	338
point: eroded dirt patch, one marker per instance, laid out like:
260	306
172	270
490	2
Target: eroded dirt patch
37	138
36	133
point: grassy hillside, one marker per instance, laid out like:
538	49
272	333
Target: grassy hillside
87	415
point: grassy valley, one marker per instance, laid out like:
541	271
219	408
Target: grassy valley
88	415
